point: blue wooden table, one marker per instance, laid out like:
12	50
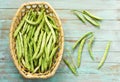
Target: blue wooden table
73	29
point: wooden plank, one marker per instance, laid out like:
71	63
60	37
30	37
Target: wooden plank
58	4
98	50
67	77
75	25
86	68
97	46
100	35
66	14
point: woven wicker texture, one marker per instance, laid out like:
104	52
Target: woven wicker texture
16	20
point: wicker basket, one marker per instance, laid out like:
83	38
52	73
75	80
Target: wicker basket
20	13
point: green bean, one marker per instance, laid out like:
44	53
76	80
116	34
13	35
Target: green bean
33	31
80	16
90	46
105	55
52	23
48	49
19	47
47	29
72	68
36	69
29	27
30	53
48	37
85	35
42	67
26	52
55	27
40	61
52	55
42	46
90	20
38	45
18	50
26	24
80	52
21	39
35	62
40	17
35	46
23	62
53	52
38	30
20	26
51	19
91	15
45	65
50	26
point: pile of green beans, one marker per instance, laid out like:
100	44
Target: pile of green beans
36	38
87	16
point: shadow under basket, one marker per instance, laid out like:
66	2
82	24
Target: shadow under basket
36	6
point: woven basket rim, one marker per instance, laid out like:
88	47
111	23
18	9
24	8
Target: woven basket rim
32	76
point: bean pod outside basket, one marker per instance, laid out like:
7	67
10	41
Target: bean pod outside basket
16	20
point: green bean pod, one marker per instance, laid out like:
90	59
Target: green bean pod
55	27
48	49
40	17
18	50
20	26
23	62
90	20
42	67
42	47
85	35
90	46
39	44
48	37
53	53
72	68
19	47
80	52
26	52
80	16
51	19
105	55
91	15
26	24
50	26
36	69
38	30
30	59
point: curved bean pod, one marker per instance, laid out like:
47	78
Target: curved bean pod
40	17
105	55
39	44
50	26
90	46
38	30
72	69
42	47
80	16
85	35
80	52
20	26
91	15
90	20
